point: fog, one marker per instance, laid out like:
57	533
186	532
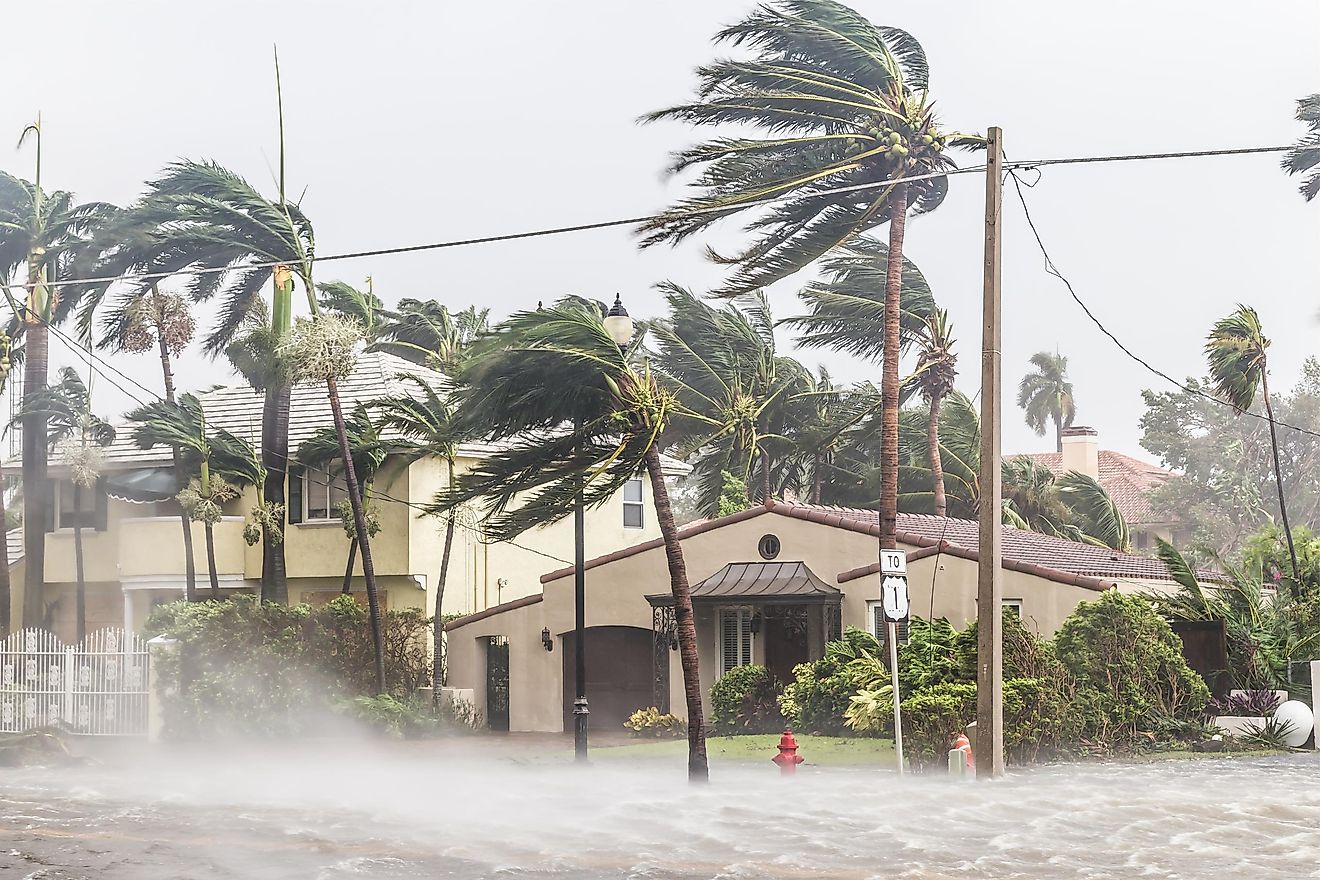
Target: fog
463	809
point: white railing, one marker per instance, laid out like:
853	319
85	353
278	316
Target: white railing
97	687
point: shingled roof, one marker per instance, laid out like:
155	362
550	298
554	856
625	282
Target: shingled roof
1128	481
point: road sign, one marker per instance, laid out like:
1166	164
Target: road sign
894	596
893	562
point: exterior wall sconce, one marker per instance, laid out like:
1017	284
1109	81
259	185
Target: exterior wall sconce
546	641
756	623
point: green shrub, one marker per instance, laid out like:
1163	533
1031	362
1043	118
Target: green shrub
1129	669
821	691
929	657
653	722
244	668
871	712
746	700
932	718
1026	655
388	716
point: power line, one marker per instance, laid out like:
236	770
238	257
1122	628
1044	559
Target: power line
1052	269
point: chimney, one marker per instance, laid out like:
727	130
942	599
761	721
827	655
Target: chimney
1081	451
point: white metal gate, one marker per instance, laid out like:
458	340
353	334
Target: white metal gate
97	687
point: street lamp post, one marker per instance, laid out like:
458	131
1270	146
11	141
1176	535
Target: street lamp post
620	328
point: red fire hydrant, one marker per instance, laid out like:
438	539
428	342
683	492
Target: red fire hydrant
788	758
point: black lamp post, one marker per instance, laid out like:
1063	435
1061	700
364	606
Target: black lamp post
620	327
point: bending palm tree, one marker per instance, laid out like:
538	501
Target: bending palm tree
845	109
66	408
1236	350
537	373
937	369
1046	396
49	234
426	332
1305	154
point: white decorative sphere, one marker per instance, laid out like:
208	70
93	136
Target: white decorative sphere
1299	715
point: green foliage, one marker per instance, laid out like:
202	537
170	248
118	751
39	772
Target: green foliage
388	716
745	700
654	723
1128	667
1046	394
933	718
244	668
733	494
871	711
1273	734
822	690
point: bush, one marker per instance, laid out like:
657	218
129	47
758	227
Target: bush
388	716
1129	669
652	722
933	718
244	668
821	691
746	700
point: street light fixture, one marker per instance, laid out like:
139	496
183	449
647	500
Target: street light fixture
618	324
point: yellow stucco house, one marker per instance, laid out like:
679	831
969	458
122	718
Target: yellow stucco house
770	586
134	551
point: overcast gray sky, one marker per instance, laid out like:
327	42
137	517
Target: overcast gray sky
423	121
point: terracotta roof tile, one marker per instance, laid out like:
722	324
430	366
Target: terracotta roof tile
1128	481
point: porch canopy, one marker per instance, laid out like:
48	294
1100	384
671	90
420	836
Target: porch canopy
753	583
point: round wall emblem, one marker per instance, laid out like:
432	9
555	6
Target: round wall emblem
768	547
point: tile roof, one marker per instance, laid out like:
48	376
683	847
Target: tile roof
1128	481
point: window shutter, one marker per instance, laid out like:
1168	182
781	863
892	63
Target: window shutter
102	505
295	494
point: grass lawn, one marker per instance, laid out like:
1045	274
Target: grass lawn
834	750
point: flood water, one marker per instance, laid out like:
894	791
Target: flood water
438	812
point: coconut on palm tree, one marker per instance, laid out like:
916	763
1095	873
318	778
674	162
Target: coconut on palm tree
584	417
48	234
937	370
79	437
843	111
1237	349
1046	396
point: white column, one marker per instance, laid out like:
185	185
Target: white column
128	612
158	648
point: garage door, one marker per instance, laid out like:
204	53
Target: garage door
619	663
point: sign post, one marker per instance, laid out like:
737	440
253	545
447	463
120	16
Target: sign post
894	599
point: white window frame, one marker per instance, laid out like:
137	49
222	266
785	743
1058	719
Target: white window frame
877	626
640	503
743	615
1013	603
322	483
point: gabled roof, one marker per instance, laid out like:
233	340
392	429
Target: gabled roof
1129	481
753	581
1048	557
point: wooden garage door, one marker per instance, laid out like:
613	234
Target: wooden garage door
619	661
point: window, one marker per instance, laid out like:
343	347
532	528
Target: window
632	504
879	627
314	495
1014	606
1143	540
80	507
768	547
735	638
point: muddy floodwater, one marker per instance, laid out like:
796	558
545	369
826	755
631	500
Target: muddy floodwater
440	812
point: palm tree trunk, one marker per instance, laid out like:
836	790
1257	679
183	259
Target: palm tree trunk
1058	433
889	371
210	562
765	477
189	563
80	597
36	492
274	457
348	569
360	524
684	623
933	450
437	628
5	589
1278	483
815	477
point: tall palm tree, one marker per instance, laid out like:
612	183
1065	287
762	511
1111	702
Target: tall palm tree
845	111
1236	350
1046	396
576	404
71	427
49	234
721	363
427	424
1305	154
937	370
426	332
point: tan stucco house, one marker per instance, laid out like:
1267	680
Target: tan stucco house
134	550
770	585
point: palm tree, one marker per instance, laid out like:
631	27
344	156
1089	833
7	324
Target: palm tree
937	369
845	110
426	332
428	426
1305	154
575	404
66	408
49	235
1236	350
1046	395
721	364
369	450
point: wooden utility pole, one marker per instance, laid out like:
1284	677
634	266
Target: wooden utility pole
990	575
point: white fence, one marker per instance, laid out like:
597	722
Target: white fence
97	687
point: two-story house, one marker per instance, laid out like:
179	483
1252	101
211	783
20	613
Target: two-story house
133	543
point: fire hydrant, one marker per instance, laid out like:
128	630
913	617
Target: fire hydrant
788	758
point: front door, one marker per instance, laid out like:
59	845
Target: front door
785	633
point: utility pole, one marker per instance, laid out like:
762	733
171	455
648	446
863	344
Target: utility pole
580	710
990	574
